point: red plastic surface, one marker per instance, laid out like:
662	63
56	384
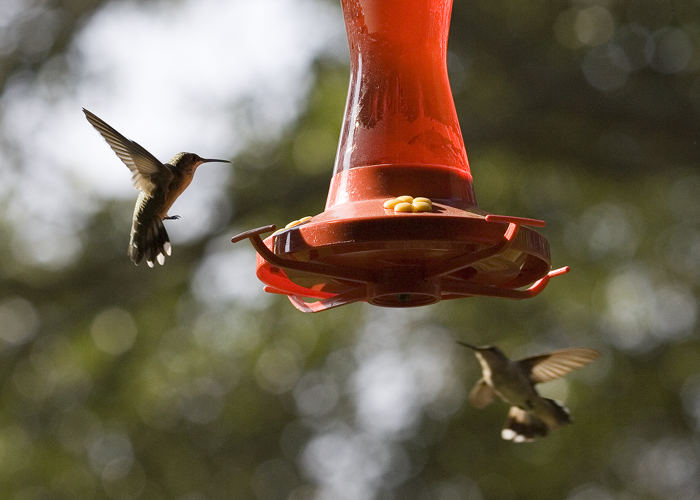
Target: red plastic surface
399	109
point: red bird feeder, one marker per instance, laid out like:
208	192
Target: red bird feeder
401	139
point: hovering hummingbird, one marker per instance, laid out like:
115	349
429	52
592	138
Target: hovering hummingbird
530	415
159	185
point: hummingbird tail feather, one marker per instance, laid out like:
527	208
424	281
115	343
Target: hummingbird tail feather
521	426
150	242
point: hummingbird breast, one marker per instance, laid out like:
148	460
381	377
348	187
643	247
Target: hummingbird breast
174	189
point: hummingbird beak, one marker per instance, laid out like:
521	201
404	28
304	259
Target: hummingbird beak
213	160
472	347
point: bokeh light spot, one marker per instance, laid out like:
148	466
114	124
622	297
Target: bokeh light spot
113	330
671	51
594	25
606	67
19	320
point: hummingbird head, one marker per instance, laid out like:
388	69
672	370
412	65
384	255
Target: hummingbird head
192	161
487	352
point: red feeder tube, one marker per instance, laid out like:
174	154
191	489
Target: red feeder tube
401	136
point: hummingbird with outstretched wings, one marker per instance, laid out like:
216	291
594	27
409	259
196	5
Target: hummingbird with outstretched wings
530	415
159	185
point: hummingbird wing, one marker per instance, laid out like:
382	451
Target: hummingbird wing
481	394
555	364
143	165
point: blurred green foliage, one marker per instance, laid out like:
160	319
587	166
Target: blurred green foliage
121	382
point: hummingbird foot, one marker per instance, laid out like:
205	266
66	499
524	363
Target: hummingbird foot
171	217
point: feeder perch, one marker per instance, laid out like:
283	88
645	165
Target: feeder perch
400	137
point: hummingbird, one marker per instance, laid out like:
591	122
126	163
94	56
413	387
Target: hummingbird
530	415
159	185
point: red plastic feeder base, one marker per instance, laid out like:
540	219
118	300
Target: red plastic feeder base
360	251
